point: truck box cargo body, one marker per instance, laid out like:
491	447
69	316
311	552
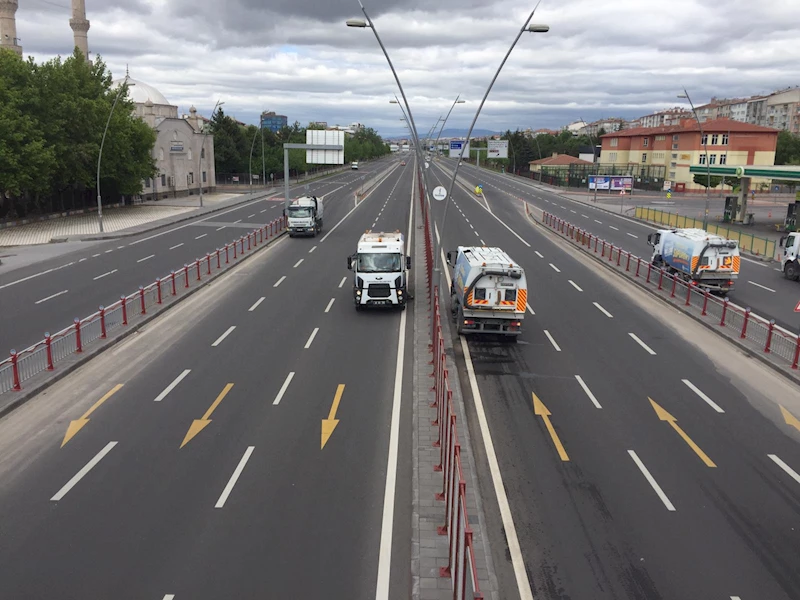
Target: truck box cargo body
380	270
489	292
710	261
305	216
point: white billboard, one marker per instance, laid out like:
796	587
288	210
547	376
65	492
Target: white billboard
455	149
328	138
498	149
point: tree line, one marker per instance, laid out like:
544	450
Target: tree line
52	117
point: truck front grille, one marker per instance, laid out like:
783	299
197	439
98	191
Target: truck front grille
379	290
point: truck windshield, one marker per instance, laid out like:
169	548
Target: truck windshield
300	212
379	263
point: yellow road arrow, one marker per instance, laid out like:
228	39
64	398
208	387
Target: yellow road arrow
199	424
540	410
78	424
665	416
329	424
790	419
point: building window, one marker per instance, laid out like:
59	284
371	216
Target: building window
160	154
191	178
724	139
723	159
614	142
204	176
672	174
163	180
702	159
704	139
147	182
674	146
202	152
712	160
189	156
674	155
714	139
675	137
673	165
644	157
645	141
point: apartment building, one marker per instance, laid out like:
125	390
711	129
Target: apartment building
723	108
665	118
677	147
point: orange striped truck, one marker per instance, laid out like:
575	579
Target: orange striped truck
489	291
709	261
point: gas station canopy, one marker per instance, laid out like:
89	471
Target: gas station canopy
782	172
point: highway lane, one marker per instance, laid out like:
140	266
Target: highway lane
251	506
595	525
35	300
761	285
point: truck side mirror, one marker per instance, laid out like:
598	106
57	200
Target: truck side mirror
349	263
783	240
650	239
450	258
408	262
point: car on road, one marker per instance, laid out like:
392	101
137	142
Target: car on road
354	165
403	164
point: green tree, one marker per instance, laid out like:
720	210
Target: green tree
701	179
787	151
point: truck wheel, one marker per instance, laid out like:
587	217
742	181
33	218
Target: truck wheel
460	321
790	271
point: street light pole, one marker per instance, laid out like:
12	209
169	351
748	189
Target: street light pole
457	101
252	146
202	146
704	140
122	88
523	29
596	166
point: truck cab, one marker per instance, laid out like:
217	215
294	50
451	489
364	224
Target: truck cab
380	271
304	216
354	165
790	261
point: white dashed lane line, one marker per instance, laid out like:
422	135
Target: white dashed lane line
105	274
632	235
614	228
539	254
146	258
176	246
603	310
575	285
555	268
51	297
636	339
201	236
552	341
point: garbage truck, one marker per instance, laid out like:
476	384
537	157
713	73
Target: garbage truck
305	216
380	270
707	260
489	292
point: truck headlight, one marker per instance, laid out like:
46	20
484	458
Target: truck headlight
358	292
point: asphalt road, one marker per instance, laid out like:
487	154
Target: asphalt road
49	295
761	285
637	507
251	506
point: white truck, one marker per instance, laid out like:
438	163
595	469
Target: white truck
489	292
707	260
380	270
305	216
354	165
790	256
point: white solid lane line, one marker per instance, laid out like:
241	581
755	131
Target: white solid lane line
763	287
603	310
588	391
328	308
298	263
256	303
517	561
708	400
555	268
223	336
51	297
653	483
234	478
530	310
280	281
633	236
789	471
82	473
176	246
311	338
201	236
642	344
105	275
552	341
312	249
172	385
283	389
614	228
575	285
343	281
146	258
537	253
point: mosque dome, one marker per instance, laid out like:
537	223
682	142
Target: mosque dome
141	93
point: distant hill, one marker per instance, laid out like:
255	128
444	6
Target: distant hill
453	133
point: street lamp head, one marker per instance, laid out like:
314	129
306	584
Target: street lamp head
538	28
356	23
684	96
393	102
460	101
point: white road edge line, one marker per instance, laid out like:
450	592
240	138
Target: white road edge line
642	344
146	258
343	281
389	499
223	336
82	473
328	308
588	391
283	389
517	561
234	478
311	338
298	263
653	483
280	281
789	471
51	297
552	341
105	275
172	385
575	285
763	287
256	304
603	310
708	400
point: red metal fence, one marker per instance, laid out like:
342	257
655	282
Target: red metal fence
44	355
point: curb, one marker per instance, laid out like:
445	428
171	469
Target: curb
747	350
51	378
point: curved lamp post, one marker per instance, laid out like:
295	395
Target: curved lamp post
703	136
457	101
122	87
252	146
202	145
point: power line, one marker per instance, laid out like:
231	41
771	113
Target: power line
54	4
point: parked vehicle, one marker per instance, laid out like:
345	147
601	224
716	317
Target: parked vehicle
305	216
380	270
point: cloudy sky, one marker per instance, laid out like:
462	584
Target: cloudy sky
602	58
